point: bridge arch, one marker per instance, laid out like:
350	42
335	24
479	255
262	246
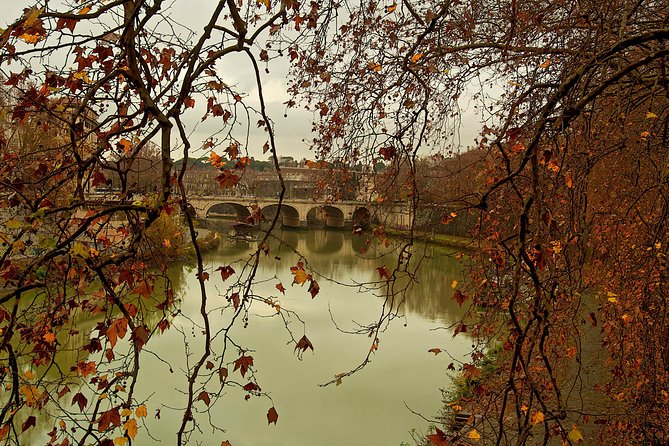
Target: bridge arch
228	209
316	217
289	217
334	217
361	218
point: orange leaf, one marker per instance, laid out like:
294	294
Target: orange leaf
536	418
130	427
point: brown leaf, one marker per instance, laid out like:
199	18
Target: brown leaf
272	415
235	300
383	272
435	350
226	271
144	289
80	400
438	438
303	344
30	422
459	297
204	397
222	374
280	287
140	335
112	417
243	363
314	288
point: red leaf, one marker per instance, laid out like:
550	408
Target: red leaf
233	150
30	422
204	397
109	418
314	288
459	297
272	415
383	272
80	400
189	102
144	289
243	363
227	179
249	387
235	300
226	271
62	392
280	287
387	153
140	335
303	344
98	178
439	438
222	374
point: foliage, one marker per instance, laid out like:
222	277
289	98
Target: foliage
566	193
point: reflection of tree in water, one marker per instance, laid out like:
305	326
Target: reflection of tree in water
336	254
77	339
432	294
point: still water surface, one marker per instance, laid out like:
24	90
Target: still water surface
368	408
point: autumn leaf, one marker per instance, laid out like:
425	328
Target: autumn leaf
141	412
222	374
204	397
30	422
474	435
227	179
303	344
459	297
300	276
536	418
383	272
226	443
576	435
280	287
80	400
243	363
272	415
436	351
226	271
112	418
391	8
416	57
144	289
130	428
374	66
235	300
439	438
387	153
314	288
140	335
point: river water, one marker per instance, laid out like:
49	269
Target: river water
368	408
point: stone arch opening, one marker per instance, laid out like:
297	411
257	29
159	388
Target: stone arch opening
232	211
316	217
289	216
334	217
361	218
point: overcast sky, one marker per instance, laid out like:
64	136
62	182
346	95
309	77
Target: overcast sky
292	132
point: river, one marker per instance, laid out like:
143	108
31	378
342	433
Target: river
368	408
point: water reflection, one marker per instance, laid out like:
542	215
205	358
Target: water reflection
368	408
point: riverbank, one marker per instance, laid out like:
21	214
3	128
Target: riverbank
450	241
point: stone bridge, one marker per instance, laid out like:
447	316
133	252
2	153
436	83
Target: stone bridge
296	212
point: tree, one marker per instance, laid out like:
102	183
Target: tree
571	209
573	201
